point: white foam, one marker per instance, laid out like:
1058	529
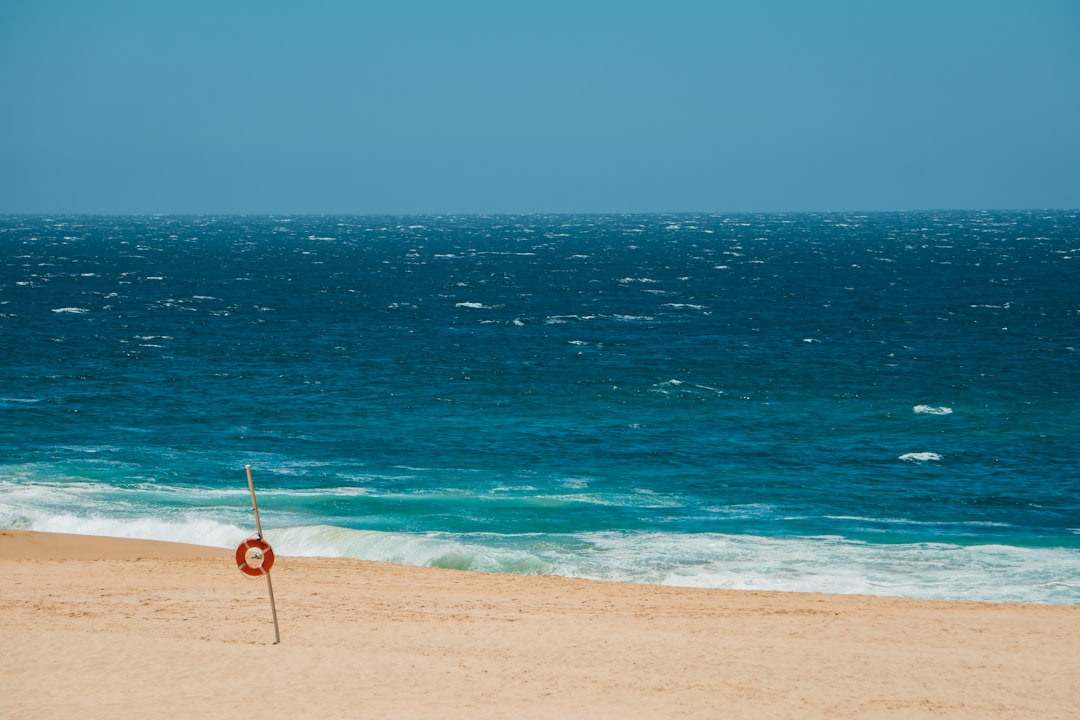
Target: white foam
221	518
834	565
931	410
74	310
920	457
563	319
816	564
192	530
422	549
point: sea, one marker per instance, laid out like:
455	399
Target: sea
856	403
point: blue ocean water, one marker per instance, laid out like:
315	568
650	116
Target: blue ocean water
853	403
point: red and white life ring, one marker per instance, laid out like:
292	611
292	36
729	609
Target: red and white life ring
254	557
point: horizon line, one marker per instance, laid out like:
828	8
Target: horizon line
536	213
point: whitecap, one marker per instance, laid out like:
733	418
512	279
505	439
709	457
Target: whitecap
74	310
932	410
920	457
15	402
562	319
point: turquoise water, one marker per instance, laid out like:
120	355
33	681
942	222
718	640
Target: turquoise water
882	403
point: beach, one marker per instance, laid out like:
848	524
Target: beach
100	627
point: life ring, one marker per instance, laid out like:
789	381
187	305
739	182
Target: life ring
254	557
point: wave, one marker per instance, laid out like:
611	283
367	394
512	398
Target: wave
931	410
190	530
684	306
675	386
17	402
908	521
920	457
442	550
997	573
474	306
387	517
738	562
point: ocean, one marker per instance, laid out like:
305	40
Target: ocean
882	403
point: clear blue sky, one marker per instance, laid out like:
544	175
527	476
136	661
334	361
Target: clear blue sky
414	106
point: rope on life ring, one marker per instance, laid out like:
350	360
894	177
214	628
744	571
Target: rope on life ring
254	557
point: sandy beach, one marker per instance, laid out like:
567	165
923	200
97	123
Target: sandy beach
103	628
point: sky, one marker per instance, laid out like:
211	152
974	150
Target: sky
508	106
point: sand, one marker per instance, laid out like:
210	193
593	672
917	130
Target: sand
104	628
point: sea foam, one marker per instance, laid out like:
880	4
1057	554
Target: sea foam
739	562
920	457
932	410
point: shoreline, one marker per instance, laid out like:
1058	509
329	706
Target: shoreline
104	626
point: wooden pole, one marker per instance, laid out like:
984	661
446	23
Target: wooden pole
258	529
254	502
273	608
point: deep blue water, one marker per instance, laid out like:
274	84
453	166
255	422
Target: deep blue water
881	403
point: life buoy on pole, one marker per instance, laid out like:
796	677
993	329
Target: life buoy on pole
254	557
